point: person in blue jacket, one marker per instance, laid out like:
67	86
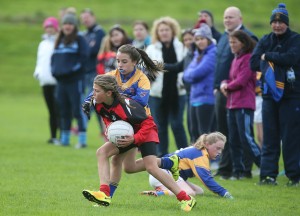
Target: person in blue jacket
68	66
200	75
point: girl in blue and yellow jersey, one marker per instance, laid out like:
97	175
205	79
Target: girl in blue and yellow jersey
133	82
194	161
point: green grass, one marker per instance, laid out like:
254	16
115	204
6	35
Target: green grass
41	179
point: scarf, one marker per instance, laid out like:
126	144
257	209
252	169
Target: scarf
169	91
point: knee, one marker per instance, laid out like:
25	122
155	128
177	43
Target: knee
151	169
101	152
128	169
116	161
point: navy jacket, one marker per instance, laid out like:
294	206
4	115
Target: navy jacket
284	52
93	36
68	62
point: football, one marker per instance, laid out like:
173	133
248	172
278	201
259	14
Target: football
117	130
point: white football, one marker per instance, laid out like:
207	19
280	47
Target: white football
117	130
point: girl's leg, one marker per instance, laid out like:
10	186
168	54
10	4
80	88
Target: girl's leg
196	189
103	154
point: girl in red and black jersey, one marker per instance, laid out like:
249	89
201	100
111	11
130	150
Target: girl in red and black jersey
111	106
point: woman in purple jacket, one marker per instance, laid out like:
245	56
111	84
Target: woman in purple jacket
240	92
200	75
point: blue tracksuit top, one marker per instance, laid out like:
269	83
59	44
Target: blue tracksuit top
68	62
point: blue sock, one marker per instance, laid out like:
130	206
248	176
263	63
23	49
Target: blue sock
166	163
82	138
65	137
113	186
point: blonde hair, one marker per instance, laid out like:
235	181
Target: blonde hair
105	45
209	139
169	21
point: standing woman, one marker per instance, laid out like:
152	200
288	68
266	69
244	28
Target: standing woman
240	92
200	75
167	94
43	73
106	60
141	35
68	67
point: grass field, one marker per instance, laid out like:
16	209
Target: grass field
40	179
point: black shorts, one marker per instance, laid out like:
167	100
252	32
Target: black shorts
148	148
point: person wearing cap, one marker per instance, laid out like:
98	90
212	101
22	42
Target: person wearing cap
207	17
43	74
68	66
200	75
233	21
281	116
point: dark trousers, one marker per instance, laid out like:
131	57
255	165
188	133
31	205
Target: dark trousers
225	164
241	138
201	120
163	121
49	96
281	122
70	97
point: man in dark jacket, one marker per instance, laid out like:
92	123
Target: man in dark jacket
232	22
281	113
93	35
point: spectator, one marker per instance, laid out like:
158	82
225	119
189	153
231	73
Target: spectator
106	60
187	37
118	37
43	74
68	67
281	115
240	92
93	35
141	35
167	94
200	74
207	17
232	22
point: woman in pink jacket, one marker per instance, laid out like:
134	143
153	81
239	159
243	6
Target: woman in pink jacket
240	92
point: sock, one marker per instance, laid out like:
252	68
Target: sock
183	196
82	138
113	186
166	163
105	189
65	137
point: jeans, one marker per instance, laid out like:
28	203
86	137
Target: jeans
201	120
225	165
281	122
241	138
69	98
162	121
